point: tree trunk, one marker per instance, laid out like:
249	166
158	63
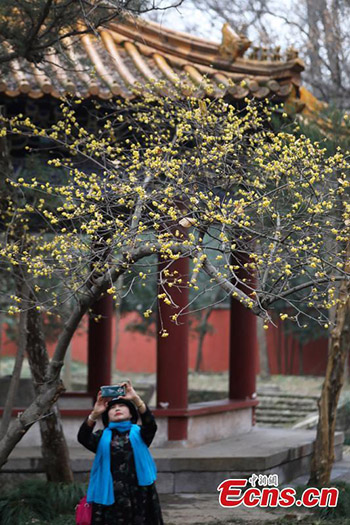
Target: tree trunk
263	355
67	369
291	354
202	329
346	368
52	386
332	43
53	444
301	358
54	448
279	348
323	455
118	292
16	374
20	425
1	339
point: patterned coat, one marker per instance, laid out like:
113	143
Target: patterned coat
134	505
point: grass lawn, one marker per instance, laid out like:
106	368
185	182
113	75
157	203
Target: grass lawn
63	519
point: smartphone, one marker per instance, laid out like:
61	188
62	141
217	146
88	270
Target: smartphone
112	391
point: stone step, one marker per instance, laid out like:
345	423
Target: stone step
299	407
282	402
286	400
293	413
290	406
278	408
274	424
283	420
269	387
287	395
284	413
275	407
278	424
290	409
278	413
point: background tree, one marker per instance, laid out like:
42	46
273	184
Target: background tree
269	203
316	28
34	29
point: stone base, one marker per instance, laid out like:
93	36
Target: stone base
206	422
207	427
200	469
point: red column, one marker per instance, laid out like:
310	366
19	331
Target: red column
243	351
172	351
100	345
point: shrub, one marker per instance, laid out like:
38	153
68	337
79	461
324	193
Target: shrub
39	502
342	510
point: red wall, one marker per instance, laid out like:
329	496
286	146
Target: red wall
286	357
137	352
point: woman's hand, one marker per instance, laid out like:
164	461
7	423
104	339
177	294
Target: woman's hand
100	406
130	392
131	395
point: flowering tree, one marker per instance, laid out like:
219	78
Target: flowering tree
262	213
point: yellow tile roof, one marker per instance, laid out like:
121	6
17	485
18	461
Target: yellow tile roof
134	51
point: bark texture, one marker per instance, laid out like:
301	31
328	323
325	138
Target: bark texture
19	426
202	329
263	354
323	455
16	376
53	443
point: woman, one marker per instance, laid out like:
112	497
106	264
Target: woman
122	489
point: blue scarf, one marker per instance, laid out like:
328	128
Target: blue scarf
101	482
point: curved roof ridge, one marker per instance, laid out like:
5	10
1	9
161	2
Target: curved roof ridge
159	31
141	31
197	50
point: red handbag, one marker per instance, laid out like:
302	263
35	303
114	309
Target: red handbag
83	512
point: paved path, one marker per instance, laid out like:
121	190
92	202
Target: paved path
204	508
195	509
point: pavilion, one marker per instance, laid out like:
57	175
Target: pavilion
135	51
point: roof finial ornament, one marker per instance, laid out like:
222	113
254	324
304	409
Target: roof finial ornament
232	45
291	53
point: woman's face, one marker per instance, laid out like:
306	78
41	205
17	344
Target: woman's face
118	413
